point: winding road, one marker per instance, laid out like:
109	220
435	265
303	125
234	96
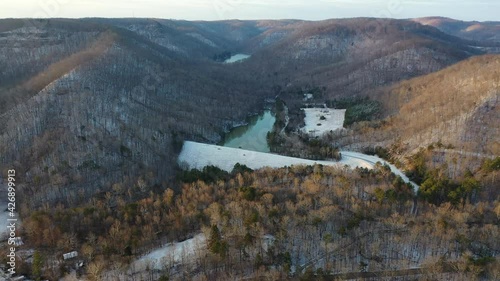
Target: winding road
372	160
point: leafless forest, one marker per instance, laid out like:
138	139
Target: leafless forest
94	112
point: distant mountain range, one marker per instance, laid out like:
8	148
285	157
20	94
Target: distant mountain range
473	30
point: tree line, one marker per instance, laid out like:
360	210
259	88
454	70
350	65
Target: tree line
271	222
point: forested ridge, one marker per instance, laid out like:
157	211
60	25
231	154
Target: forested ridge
452	114
472	30
282	224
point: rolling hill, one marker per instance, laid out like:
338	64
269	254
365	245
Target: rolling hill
473	30
454	111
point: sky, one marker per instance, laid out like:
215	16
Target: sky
481	10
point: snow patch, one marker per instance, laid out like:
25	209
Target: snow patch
172	253
308	97
322	120
237	58
198	155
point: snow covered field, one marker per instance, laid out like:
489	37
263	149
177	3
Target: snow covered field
171	254
4	213
237	58
198	155
333	120
373	160
184	252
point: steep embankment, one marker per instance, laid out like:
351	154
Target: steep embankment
457	106
32	56
107	109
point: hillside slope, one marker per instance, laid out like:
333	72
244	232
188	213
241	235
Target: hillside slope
455	110
107	109
346	56
458	105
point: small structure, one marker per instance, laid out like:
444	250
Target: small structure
70	255
18	241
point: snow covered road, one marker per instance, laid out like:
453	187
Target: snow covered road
372	160
323	120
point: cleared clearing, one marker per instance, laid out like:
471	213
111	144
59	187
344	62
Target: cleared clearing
322	120
237	58
173	253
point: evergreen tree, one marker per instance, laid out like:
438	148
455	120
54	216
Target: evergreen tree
36	269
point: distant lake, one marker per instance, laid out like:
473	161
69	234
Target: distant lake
236	58
252	136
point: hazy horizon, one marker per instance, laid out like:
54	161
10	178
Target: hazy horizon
211	10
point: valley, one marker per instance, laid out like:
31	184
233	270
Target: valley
247	145
253	150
